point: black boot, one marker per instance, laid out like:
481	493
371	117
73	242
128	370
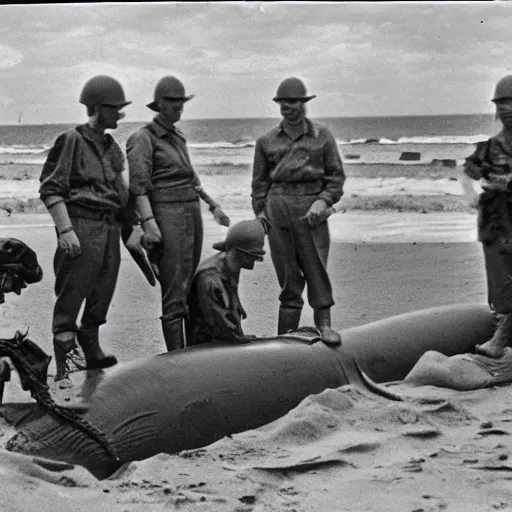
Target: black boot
173	334
322	318
88	339
289	319
67	357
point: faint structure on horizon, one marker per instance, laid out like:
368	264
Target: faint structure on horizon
20	114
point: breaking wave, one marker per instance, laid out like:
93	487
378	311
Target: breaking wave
444	139
20	149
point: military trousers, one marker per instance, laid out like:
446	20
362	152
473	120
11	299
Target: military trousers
299	253
498	268
181	226
90	277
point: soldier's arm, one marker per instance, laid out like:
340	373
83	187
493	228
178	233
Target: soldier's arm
476	165
54	179
139	154
334	176
55	189
260	184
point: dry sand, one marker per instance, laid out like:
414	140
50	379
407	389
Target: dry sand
337	451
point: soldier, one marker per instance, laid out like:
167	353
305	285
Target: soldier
297	177
84	191
491	163
215	311
167	192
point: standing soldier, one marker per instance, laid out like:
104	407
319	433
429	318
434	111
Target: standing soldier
491	164
297	177
83	189
167	192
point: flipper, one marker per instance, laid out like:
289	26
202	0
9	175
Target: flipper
356	377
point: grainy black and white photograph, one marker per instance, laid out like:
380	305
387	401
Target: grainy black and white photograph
256	257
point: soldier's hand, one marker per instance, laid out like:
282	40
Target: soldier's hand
318	212
493	185
69	243
151	237
496	181
220	217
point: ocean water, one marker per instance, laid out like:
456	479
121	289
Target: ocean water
366	140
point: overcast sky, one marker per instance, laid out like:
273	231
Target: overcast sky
360	59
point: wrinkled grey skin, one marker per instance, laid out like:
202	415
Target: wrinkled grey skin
186	399
193	397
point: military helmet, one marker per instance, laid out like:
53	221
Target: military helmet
171	88
247	236
292	89
503	89
103	90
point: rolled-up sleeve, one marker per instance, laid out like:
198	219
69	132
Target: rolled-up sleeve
334	176
56	170
260	178
139	153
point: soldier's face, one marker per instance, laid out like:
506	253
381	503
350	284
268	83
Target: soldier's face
109	115
504	112
293	111
171	110
247	261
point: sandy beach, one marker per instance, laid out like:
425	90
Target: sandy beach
407	92
339	450
399	243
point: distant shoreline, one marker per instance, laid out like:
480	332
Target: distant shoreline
428	189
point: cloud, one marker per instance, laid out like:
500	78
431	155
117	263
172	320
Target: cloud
359	58
4	100
84	32
9	57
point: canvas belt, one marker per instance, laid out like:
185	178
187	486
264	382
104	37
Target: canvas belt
173	194
75	210
298	188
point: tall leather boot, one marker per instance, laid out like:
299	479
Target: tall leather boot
67	357
288	320
173	334
322	317
88	339
501	338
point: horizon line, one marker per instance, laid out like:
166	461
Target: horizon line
270	118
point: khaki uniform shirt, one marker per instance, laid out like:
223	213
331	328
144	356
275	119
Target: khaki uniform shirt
495	206
215	311
84	172
159	164
308	165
